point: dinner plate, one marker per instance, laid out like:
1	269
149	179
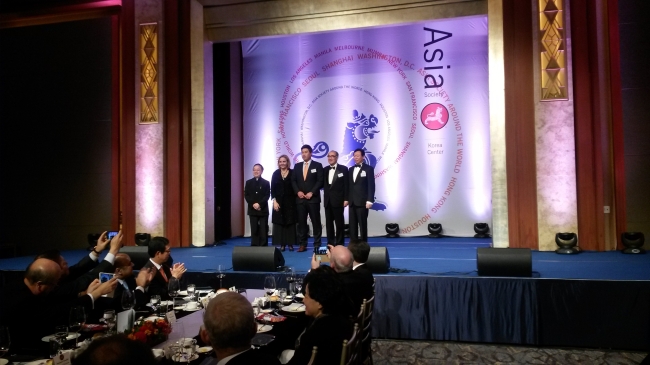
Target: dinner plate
204	349
182	308
300	295
295	307
37	362
4	361
153	318
261	328
164	302
71	336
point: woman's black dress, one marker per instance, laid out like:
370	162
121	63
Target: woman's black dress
284	220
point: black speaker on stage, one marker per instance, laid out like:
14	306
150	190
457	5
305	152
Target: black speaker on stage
504	262
139	255
378	260
262	258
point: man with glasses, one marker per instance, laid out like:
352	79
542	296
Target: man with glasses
159	252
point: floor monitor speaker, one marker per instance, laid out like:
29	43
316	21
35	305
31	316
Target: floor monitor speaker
256	258
378	260
504	262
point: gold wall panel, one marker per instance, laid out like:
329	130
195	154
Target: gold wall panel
552	50
149	73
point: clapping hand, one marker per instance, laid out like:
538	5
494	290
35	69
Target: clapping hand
178	270
144	277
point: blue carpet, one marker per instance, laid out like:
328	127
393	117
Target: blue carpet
448	256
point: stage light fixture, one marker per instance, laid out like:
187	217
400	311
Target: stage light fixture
142	239
482	230
567	241
392	230
435	230
633	242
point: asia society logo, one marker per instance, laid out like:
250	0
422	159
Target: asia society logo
434	116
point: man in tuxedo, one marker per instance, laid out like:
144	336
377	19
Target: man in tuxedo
257	192
361	195
307	180
360	251
159	252
335	198
229	326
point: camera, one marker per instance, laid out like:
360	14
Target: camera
111	234
105	276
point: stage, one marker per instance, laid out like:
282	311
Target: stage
433	292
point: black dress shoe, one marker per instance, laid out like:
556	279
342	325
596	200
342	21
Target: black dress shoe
302	249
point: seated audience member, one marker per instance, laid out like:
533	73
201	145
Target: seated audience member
357	286
116	350
75	279
159	253
124	274
327	304
29	312
229	327
360	251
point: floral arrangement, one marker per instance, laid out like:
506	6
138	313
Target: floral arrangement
150	332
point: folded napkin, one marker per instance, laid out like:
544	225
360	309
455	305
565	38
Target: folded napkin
294	307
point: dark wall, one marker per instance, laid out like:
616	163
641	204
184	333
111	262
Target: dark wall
635	78
55	134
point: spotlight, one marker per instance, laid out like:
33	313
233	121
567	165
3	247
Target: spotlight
482	230
633	242
435	230
142	239
392	230
567	242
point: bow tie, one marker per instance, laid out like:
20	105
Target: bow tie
358	165
333	167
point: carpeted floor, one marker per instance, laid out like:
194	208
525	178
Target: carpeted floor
389	352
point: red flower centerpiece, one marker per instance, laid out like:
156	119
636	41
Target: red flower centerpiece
150	332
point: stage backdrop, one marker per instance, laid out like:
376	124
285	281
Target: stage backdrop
415	97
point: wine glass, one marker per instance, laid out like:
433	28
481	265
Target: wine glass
128	300
269	286
173	287
5	340
298	285
220	275
291	278
109	319
76	321
191	291
60	335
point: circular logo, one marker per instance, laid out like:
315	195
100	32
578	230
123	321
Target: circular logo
434	116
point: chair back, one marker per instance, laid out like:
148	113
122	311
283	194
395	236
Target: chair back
365	350
350	352
313	356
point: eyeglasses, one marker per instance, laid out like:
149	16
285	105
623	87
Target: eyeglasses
168	251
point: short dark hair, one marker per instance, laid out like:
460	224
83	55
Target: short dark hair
260	165
157	244
229	321
307	147
363	153
326	288
116	350
360	250
53	254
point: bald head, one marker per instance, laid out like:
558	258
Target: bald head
341	259
229	322
42	275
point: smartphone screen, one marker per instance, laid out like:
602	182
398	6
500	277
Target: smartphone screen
105	276
111	234
321	254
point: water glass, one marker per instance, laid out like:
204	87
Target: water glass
189	347
220	275
282	293
191	291
128	299
76	320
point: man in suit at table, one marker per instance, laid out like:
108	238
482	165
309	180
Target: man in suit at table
159	252
257	192
335	198
307	180
229	326
361	195
124	274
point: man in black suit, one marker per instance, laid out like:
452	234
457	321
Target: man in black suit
360	251
124	274
159	252
361	195
229	326
336	198
257	192
307	180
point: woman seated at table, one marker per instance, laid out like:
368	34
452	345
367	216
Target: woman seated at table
328	304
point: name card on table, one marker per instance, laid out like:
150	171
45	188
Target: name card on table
62	358
171	316
125	320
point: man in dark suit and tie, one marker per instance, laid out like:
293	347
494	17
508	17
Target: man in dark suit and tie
159	252
229	326
257	192
307	180
361	195
335	198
